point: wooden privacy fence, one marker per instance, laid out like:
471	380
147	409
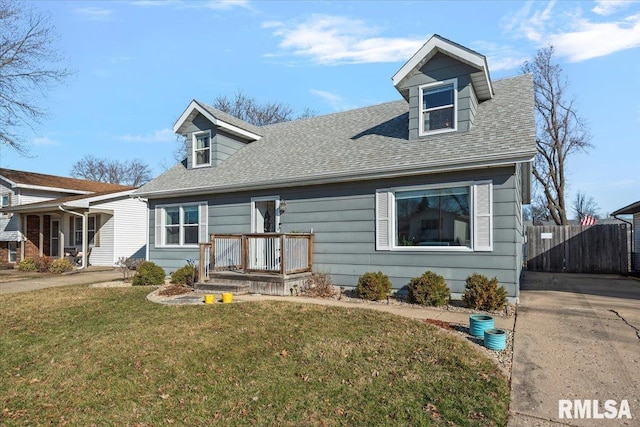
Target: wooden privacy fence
578	249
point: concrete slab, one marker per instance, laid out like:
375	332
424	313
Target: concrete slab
33	281
576	337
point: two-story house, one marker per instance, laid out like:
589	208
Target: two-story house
48	215
433	181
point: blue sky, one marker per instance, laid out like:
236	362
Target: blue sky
137	65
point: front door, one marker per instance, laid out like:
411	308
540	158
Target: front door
265	251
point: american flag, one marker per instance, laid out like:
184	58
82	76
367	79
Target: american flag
588	220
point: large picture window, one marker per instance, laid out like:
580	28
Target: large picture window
181	225
438	107
437	217
444	217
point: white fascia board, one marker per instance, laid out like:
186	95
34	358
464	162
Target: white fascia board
101	198
439	167
447	48
53	189
216	122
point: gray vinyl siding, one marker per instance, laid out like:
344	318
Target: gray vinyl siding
223	145
636	242
441	68
342	218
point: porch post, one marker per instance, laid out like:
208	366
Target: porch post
85	239
283	255
41	235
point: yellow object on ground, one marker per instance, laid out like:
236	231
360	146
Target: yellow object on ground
227	297
209	299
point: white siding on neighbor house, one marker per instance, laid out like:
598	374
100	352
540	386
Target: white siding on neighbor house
24	198
125	232
103	254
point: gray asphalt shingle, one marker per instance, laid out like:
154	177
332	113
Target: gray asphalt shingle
365	142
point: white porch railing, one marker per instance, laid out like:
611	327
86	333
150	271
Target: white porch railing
262	253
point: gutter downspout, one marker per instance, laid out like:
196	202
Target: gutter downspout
632	239
84	234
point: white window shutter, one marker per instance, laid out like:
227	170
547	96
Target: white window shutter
158	221
383	220
203	223
483	216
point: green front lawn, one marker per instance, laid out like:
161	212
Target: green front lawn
82	356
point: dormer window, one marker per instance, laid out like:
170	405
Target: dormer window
438	107
202	149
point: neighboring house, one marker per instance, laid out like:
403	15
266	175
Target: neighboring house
434	181
46	215
633	209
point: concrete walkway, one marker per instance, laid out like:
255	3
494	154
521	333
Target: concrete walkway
13	282
576	337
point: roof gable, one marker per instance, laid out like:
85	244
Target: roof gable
480	79
219	119
633	208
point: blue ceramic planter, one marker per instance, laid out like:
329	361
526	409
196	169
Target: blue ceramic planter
495	339
478	323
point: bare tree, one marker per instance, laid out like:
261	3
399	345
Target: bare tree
134	172
27	69
584	205
559	131
251	111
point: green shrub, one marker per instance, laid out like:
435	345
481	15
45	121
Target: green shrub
27	264
429	289
186	275
480	293
374	286
148	274
61	265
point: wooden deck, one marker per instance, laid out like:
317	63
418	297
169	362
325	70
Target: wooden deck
268	263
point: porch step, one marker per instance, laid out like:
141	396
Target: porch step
238	289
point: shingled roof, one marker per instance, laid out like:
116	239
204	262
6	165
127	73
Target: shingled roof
70	185
365	143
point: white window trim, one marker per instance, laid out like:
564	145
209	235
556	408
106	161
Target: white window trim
253	211
160	235
194	138
435	85
392	218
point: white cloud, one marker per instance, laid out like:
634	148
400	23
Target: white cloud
331	40
95	13
162	135
591	40
183	4
44	141
500	57
529	23
608	7
336	102
575	36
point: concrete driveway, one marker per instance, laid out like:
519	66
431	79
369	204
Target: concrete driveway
577	336
13	281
